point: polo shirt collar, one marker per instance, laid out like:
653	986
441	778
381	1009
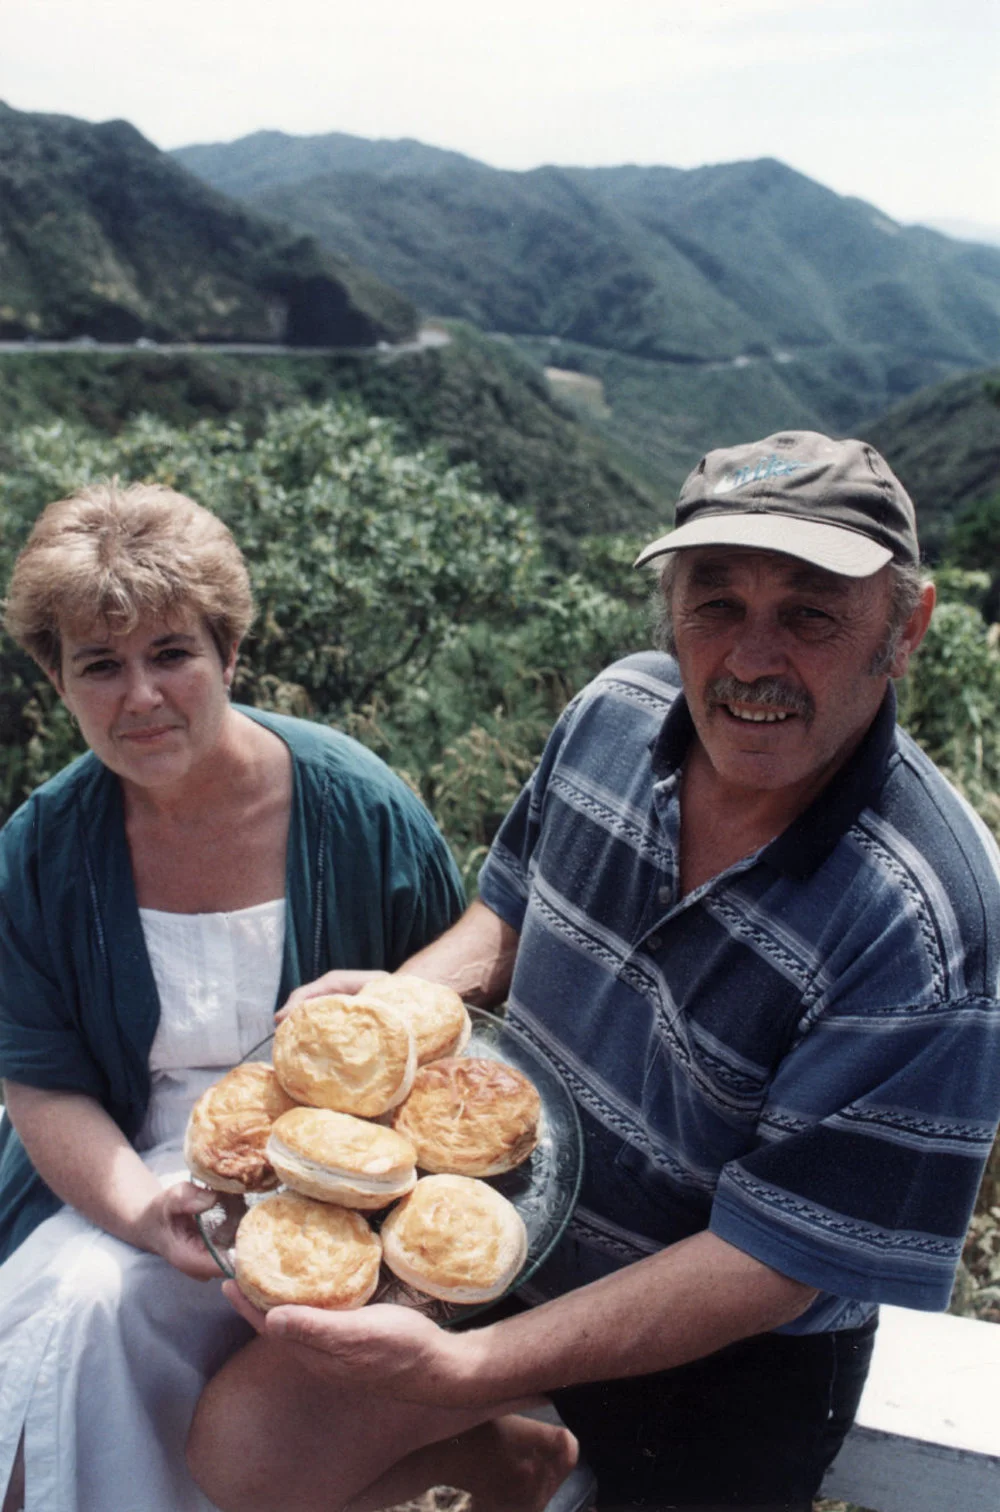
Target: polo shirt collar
801	848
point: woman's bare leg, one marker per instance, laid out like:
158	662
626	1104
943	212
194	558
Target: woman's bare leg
270	1437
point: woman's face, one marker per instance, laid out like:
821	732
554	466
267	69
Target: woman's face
151	705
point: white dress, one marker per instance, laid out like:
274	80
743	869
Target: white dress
104	1349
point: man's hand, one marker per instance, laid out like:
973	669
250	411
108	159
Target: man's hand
347	982
391	1350
167	1227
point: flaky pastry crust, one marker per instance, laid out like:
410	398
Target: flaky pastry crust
440	1020
291	1249
470	1116
336	1157
455	1238
227	1132
341	1053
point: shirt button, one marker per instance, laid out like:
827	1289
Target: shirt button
655	941
664	894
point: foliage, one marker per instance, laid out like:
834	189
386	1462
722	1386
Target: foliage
478	399
951	704
395	596
944	442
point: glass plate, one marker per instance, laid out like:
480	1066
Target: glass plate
544	1188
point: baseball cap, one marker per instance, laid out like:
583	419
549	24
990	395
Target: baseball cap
836	504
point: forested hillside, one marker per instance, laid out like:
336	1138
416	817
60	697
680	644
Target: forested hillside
841	310
481	401
104	236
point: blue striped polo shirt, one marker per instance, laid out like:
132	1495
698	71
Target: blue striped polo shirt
802	1054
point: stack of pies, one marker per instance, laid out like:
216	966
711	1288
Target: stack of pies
344	1120
470	1117
228	1130
341	1159
346	1055
437	1015
292	1249
455	1238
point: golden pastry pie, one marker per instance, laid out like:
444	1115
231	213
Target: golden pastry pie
290	1248
439	1018
339	1158
455	1238
470	1116
229	1126
341	1053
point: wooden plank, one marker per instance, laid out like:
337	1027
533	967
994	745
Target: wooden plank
927	1436
896	1474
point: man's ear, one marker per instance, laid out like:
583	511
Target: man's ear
914	630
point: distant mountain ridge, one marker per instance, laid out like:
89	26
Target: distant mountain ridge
103	235
695	267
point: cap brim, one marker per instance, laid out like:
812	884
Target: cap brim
846	552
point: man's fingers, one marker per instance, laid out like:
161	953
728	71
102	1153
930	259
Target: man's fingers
306	1325
245	1308
342	981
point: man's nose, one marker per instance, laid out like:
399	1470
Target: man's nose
757	650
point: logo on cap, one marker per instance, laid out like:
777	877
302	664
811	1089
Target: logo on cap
768	467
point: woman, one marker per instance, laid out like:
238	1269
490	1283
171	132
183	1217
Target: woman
159	899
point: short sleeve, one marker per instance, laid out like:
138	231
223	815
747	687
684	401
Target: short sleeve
425	892
40	1041
872	1198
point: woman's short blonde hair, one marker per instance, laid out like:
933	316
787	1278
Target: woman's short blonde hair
122	556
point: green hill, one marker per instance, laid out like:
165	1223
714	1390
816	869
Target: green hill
845	310
104	236
945	444
482	401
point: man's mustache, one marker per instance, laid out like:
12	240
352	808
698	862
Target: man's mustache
763	693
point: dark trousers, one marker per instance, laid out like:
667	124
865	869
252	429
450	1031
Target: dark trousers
755	1425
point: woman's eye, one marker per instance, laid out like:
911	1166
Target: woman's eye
172	654
99	668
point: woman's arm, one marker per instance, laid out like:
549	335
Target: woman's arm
80	1152
475	957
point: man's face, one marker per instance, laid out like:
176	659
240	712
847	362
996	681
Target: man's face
775	657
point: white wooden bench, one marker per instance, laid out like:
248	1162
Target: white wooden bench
927	1434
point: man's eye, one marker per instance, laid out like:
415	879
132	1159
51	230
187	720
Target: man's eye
718	606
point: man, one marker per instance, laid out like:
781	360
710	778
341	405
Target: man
748	921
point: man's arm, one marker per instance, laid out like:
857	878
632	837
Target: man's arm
475	957
687	1301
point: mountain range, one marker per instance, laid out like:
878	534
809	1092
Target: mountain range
103	236
843	309
612	323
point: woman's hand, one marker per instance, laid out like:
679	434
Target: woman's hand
348	982
382	1348
167	1227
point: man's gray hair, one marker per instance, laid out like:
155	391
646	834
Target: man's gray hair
907	586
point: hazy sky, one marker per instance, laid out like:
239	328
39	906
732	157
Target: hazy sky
892	100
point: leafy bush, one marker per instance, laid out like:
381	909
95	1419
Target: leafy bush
396	597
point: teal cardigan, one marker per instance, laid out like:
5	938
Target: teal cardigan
369	881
